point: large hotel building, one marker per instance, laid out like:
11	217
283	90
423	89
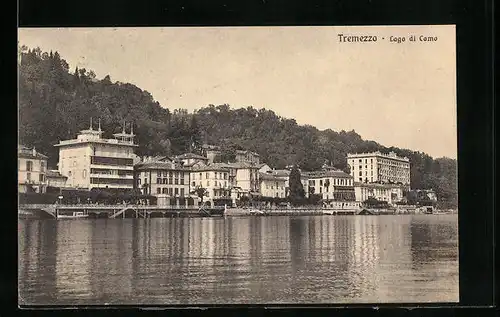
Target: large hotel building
90	161
378	167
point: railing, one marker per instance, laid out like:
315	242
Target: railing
111	176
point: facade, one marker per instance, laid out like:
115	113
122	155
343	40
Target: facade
215	178
211	152
165	179
55	179
246	178
189	159
332	185
31	170
90	161
391	193
272	186
378	167
247	157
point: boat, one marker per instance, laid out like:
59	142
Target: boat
255	211
74	215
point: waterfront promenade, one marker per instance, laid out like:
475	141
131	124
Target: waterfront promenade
56	211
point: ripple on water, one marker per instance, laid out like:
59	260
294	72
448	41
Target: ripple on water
250	260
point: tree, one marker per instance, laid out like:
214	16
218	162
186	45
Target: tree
296	189
201	192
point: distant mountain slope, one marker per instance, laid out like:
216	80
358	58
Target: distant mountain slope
55	103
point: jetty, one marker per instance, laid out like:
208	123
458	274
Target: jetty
115	211
294	211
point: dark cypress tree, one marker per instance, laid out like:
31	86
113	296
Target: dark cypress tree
297	193
194	131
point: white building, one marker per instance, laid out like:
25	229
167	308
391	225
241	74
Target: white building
31	170
246	177
332	185
55	179
247	156
90	161
391	193
379	167
165	179
215	179
272	185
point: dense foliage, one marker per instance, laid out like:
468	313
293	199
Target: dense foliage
56	102
296	193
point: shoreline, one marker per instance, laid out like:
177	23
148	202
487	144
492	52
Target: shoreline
41	212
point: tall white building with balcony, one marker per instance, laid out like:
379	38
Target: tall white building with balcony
90	161
377	167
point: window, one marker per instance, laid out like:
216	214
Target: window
158	190
69	174
29	166
206	175
42	166
176	191
145	180
84	173
360	173
158	181
182	192
164	191
208	183
170	191
194	184
28	176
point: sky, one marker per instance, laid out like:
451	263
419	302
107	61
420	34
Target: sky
397	94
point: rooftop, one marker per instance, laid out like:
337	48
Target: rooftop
31	153
54	174
329	173
391	155
270	176
191	156
162	165
376	185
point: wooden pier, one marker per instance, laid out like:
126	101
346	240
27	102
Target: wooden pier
115	211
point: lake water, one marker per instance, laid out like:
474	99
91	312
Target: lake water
239	260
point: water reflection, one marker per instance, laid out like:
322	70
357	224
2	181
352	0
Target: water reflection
239	260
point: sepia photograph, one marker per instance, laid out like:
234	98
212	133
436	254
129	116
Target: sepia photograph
237	165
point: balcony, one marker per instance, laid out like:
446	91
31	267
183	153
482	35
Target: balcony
111	176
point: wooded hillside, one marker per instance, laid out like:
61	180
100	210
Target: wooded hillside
56	102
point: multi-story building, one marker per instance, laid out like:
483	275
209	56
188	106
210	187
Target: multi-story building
391	193
378	167
246	178
164	178
332	185
271	185
31	170
55	179
247	156
215	179
211	152
90	161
